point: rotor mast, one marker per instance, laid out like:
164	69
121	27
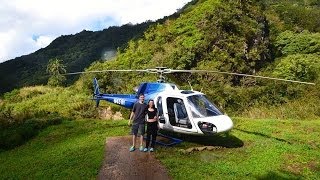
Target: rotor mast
160	71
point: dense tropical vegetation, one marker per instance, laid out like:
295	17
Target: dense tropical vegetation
236	36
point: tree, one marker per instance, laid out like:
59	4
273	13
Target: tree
304	67
305	42
56	68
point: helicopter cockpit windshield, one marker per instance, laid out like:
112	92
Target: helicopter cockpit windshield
201	107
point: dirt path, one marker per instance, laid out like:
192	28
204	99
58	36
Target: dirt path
119	163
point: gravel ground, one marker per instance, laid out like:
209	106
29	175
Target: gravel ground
119	163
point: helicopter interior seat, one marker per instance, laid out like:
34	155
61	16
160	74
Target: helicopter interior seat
181	115
171	115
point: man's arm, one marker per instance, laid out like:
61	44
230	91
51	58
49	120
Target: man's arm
132	115
131	118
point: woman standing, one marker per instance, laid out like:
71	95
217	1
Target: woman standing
152	125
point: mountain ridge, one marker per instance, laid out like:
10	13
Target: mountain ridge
80	50
77	51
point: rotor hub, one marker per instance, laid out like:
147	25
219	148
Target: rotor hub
160	71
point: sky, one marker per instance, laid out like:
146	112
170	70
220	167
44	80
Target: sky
28	25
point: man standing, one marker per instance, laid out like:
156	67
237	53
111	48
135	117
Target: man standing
137	119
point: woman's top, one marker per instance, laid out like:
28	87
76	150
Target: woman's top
152	114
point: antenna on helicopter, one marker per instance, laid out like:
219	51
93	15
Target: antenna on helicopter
190	85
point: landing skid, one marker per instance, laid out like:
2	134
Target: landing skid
172	141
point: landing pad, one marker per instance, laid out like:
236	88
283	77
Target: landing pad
119	163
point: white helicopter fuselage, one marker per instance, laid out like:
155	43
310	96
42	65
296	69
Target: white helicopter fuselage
181	111
189	112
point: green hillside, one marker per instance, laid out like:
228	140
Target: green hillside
201	37
76	51
236	36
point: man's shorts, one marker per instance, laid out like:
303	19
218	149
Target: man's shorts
137	129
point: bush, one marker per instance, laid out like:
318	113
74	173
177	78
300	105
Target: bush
12	96
289	42
304	67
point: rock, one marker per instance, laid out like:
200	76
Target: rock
201	148
189	150
106	113
117	116
210	148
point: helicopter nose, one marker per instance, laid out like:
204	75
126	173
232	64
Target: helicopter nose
223	123
217	124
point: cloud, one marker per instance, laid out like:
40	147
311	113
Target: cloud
27	25
43	41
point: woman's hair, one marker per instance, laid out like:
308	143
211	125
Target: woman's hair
153	103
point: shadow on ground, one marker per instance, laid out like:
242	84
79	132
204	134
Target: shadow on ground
224	140
262	135
280	175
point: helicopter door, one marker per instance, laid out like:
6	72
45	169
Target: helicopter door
177	113
160	110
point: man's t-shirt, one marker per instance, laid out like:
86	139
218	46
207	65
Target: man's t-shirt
139	110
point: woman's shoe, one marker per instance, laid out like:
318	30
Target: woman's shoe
141	148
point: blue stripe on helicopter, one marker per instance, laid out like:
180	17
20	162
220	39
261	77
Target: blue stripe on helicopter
125	100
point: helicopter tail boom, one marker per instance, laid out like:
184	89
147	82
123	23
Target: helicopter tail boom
125	100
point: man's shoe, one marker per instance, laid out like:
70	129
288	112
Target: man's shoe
132	148
145	149
151	150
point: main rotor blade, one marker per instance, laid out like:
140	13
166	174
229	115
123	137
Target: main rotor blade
239	74
108	70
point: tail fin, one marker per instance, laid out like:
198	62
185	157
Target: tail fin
96	87
96	91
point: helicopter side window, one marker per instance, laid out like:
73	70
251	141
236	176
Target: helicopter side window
177	112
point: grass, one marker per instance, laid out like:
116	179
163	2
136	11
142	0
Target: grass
255	149
15	134
71	150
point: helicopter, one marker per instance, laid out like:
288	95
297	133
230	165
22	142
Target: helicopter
179	111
